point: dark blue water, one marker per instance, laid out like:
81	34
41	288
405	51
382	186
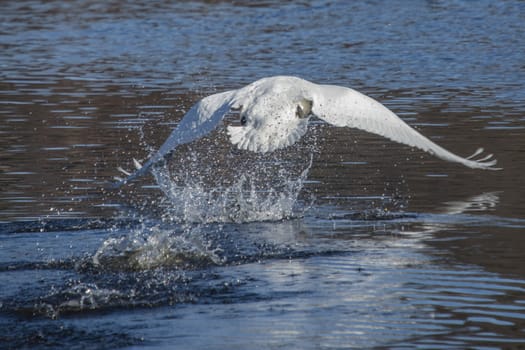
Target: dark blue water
344	240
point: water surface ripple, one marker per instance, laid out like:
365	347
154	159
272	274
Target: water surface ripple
344	240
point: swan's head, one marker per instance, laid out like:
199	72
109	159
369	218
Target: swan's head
270	121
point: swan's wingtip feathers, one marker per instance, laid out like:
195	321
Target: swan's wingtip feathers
137	164
486	162
477	152
125	172
490	165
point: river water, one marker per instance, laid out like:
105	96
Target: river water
344	240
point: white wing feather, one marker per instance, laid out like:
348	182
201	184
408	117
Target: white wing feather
342	106
200	120
264	98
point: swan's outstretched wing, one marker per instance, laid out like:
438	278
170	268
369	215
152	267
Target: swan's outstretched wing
200	120
342	106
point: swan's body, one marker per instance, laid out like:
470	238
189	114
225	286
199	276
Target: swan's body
274	114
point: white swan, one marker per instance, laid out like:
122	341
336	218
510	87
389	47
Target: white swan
274	113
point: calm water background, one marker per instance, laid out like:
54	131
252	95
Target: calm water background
385	247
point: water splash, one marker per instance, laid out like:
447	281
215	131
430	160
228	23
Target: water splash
209	181
204	186
190	205
148	248
245	200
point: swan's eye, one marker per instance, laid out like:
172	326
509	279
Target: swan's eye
243	120
304	108
299	112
